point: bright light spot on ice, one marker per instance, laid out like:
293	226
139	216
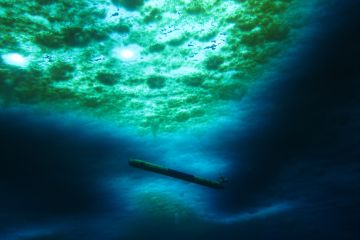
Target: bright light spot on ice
15	59
127	53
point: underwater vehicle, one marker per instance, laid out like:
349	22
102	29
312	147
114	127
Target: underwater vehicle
177	174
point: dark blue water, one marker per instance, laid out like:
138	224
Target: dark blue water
292	161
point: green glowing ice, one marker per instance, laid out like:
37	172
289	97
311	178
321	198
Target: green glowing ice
156	65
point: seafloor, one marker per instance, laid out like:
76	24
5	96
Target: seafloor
264	93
